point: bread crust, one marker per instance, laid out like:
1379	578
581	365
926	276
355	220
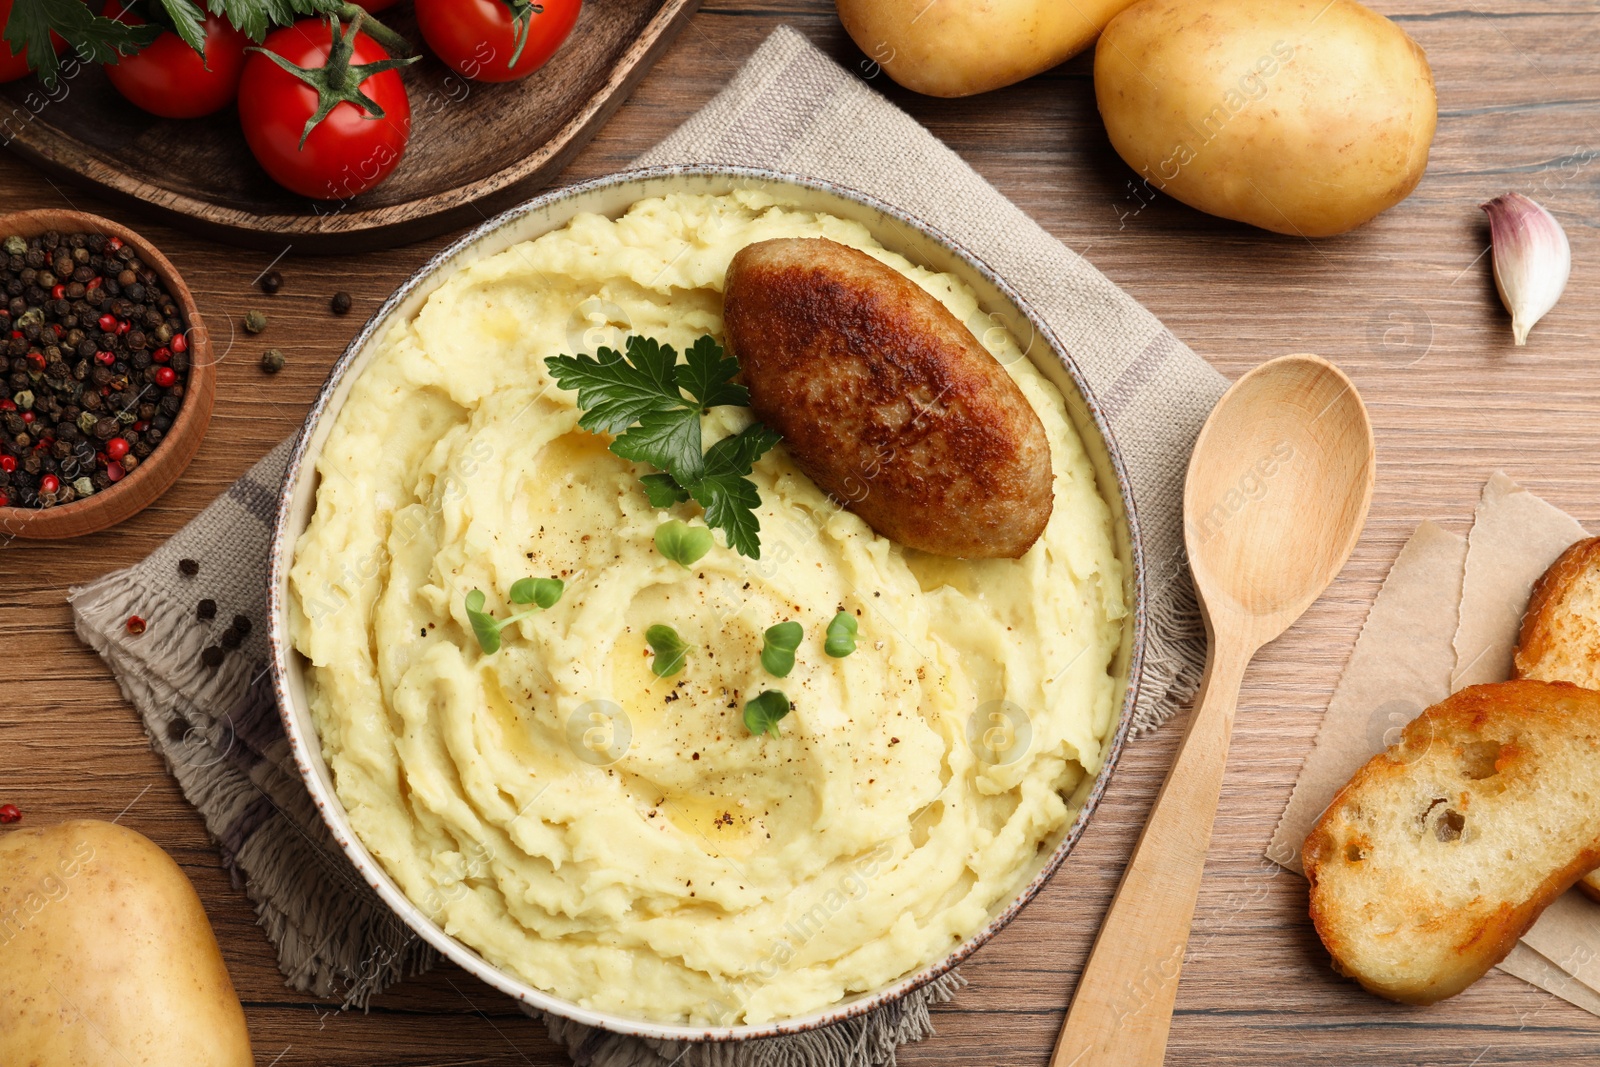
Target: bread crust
886	401
1540	633
1517	716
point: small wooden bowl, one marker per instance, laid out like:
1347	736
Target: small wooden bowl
152	477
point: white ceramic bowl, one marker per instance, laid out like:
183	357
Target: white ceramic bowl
612	196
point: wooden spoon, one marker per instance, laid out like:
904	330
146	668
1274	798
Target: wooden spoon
1276	496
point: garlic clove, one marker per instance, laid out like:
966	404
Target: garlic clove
1532	259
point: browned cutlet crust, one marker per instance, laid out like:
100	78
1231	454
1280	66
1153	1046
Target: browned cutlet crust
886	401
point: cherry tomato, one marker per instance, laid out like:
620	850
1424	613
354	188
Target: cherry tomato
481	39
349	151
14	65
168	78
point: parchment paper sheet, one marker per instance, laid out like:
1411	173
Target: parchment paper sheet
1447	617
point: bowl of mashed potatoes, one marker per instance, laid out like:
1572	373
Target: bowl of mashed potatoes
470	597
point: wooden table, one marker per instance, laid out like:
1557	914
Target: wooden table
1406	305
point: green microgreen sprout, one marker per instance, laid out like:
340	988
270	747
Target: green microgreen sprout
761	715
682	543
541	593
841	638
670	651
777	652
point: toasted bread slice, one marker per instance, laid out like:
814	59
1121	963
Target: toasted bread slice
1560	639
1445	848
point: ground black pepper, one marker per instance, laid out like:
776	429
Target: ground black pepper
93	366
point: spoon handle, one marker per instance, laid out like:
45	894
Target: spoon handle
1122	1009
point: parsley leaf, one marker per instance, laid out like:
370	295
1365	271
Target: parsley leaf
841	638
707	375
666	439
614	392
663	490
761	715
640	397
730	498
670	651
778	648
95	38
189	22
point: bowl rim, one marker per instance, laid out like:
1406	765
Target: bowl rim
468	958
178	447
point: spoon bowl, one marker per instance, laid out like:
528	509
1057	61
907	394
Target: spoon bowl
1282	471
1277	493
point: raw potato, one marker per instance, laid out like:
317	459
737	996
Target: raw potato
1300	116
106	957
961	47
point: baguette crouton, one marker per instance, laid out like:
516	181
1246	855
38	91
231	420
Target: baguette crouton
1442	851
1560	639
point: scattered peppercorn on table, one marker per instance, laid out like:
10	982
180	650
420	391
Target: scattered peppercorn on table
1405	305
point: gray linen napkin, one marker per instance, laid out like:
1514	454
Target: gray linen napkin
790	109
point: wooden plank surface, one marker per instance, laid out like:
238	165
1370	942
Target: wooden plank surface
1406	306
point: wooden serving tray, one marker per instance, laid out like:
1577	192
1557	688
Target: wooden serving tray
475	147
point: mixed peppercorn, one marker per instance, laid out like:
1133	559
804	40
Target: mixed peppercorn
95	362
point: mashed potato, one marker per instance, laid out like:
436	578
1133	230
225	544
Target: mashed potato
621	840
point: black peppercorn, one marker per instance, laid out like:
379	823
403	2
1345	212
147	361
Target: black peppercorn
73	308
242	624
206	610
271	361
212	656
341	303
188	567
271	282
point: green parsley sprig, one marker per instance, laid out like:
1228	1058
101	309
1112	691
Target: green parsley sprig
653	404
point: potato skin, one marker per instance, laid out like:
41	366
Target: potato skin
106	956
1267	112
958	49
886	401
